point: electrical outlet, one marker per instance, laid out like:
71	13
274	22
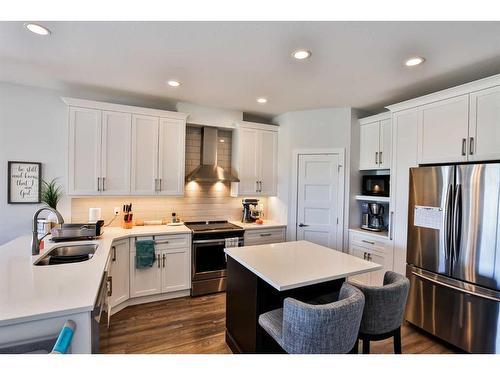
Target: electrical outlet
116	210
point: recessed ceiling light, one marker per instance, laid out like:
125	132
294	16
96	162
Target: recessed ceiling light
414	61
174	83
301	54
37	29
261	100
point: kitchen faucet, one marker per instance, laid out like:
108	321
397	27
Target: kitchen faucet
35	242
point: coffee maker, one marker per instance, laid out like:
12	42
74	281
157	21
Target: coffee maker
250	210
372	217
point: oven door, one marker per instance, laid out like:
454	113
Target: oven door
209	259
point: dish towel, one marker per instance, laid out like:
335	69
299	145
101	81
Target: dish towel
144	253
231	242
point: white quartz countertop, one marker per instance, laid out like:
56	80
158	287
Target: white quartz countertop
290	265
266	225
29	292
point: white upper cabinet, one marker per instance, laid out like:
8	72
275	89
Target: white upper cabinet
255	159
268	162
484	125
144	173
375	142
121	150
444	130
84	151
385	144
369	146
115	153
171	156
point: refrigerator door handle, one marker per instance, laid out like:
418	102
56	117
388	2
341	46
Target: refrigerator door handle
457	220
448	222
458	285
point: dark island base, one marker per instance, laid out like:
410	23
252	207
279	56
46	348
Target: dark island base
248	296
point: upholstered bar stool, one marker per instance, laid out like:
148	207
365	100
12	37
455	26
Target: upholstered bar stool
302	328
383	311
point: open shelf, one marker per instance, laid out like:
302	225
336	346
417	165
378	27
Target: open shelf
370	198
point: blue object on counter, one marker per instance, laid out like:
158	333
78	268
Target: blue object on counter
144	253
64	340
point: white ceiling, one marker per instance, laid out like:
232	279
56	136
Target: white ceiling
230	64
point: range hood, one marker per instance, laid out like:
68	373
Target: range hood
209	171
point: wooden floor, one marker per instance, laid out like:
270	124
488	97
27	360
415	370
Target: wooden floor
196	325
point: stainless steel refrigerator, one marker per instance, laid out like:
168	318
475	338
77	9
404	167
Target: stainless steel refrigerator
453	254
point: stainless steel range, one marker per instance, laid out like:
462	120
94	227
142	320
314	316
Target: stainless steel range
210	238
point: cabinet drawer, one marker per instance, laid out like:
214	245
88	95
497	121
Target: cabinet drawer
166	242
264	236
369	243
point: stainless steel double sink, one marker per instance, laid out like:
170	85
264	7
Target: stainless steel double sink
67	254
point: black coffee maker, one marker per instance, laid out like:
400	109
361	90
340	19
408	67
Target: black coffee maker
373	217
250	211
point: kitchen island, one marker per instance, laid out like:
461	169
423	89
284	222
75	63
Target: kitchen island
260	277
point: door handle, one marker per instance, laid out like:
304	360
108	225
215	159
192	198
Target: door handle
303	225
376	158
471	146
159	188
380	157
464	145
391	222
457	219
164	259
158	260
98	183
110	286
114	254
103	183
260	186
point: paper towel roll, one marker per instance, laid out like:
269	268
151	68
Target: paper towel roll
94	214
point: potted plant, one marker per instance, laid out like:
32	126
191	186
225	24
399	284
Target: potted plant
51	195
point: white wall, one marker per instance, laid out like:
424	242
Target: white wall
33	127
312	129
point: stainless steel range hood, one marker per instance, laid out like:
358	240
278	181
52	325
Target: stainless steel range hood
209	171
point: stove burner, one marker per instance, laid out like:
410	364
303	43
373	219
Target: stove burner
205	226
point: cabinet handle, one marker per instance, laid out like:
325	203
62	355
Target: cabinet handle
260	186
114	254
471	146
110	286
158	259
370	242
376	158
266	234
103	183
164	260
380	157
159	242
464	145
98	183
159	188
303	225
364	256
391	225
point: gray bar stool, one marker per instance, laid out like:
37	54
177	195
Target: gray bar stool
302	328
383	311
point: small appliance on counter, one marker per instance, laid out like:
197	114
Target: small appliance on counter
376	185
372	217
77	232
251	211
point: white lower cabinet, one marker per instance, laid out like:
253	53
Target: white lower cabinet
119	272
171	270
374	249
264	236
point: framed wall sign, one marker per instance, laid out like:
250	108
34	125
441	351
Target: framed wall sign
24	181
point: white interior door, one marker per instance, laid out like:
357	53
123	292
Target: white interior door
115	161
318	201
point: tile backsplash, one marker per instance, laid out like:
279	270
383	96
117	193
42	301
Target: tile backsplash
201	201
